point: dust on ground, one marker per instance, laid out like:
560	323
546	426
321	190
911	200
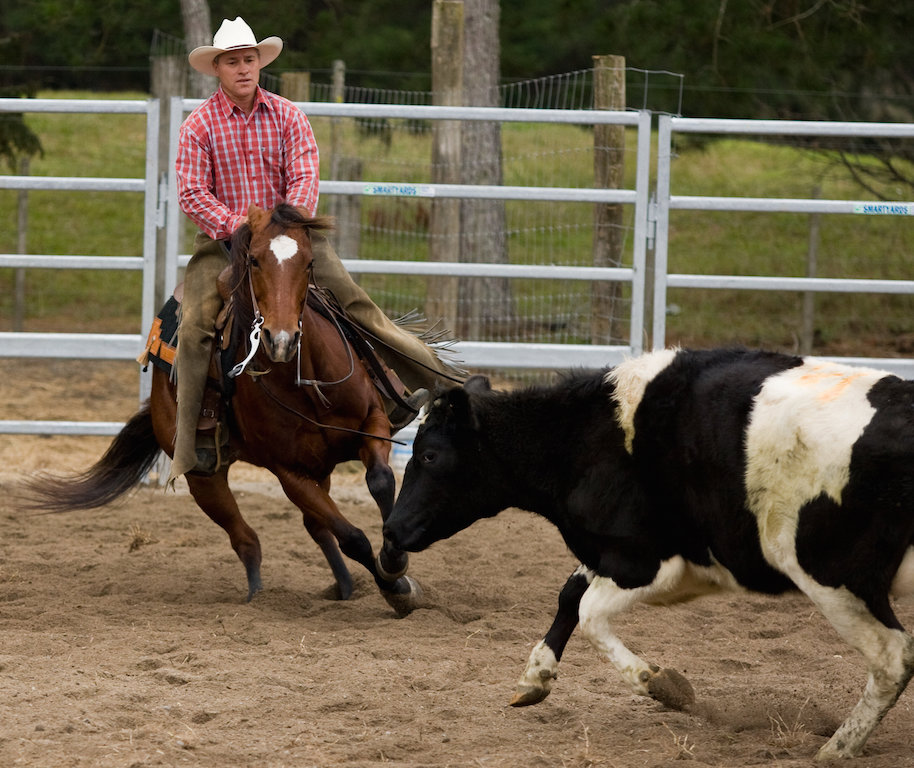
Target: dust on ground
125	639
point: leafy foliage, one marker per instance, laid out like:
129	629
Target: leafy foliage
829	59
17	140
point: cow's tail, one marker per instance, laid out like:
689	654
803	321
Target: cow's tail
126	462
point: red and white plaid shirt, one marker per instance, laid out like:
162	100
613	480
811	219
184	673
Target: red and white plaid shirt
227	161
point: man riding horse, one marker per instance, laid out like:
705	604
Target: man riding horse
246	146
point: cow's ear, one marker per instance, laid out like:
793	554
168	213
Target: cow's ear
460	409
477	383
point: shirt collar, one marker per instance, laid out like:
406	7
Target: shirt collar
227	107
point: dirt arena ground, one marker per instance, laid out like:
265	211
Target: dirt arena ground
125	640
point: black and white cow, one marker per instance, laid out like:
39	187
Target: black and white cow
680	473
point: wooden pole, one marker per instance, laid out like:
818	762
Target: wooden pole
486	304
346	209
295	86
447	90
609	169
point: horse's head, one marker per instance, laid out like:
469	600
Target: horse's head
271	268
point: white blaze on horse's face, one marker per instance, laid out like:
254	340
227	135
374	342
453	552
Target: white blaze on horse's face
283	247
281	298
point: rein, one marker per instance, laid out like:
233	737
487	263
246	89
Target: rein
317	423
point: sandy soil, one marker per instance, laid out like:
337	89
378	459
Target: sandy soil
125	640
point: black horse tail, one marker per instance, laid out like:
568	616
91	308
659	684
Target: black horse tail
122	467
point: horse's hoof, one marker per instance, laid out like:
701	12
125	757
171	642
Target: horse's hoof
525	695
671	689
253	588
337	591
406	597
394	573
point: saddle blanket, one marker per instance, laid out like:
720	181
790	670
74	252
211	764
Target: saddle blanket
163	338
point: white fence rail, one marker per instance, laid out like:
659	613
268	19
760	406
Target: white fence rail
483	354
164	213
88	345
665	202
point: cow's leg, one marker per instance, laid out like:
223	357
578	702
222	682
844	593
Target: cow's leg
603	601
889	655
542	666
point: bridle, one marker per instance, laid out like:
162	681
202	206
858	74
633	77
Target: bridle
257	325
254	345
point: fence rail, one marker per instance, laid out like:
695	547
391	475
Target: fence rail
490	354
88	345
161	210
666	202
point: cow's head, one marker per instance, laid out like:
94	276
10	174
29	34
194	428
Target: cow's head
449	482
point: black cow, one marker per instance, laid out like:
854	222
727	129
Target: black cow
680	473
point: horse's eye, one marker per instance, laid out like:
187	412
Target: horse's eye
254	263
428	457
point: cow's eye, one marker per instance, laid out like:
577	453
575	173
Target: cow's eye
428	457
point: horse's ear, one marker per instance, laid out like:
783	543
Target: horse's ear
256	217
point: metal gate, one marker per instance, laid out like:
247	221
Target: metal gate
88	345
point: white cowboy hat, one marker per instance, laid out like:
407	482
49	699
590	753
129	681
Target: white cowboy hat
233	35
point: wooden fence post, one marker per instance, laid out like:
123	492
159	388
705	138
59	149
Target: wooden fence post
447	90
295	86
346	209
609	168
486	304
808	321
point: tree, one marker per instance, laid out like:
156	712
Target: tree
489	302
197	31
17	140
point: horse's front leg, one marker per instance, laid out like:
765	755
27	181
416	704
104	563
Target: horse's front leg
392	563
321	512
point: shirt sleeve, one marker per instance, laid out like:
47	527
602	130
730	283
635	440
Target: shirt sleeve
194	172
302	163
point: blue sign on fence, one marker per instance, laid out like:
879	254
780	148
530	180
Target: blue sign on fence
400	190
883	209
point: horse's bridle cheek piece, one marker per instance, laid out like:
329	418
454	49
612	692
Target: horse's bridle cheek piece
255	336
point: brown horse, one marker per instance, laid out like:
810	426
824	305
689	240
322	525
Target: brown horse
303	404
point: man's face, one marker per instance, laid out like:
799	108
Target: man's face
238	73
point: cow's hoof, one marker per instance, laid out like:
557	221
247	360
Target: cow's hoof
837	749
671	689
404	601
525	695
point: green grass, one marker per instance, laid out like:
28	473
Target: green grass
539	233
